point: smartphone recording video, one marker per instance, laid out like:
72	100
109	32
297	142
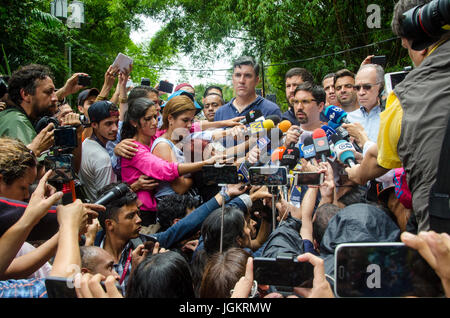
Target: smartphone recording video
217	175
383	270
308	178
268	176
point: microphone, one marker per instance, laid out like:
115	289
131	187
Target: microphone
251	116
309	151
328	131
266	143
344	152
321	144
118	191
336	114
243	174
276	119
290	157
268	124
284	125
277	154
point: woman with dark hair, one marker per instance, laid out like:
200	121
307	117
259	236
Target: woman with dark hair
222	272
164	275
236	233
140	124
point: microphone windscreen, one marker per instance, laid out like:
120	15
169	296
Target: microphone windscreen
308	141
268	124
277	154
284	125
319	133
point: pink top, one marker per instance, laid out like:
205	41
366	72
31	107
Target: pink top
144	162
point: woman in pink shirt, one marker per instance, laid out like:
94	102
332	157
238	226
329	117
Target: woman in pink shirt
140	124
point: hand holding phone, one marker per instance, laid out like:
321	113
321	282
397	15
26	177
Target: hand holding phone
165	87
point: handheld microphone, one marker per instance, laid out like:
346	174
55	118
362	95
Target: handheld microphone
321	144
344	152
243	174
290	157
328	131
309	151
266	143
251	116
268	124
336	114
284	125
277	154
118	191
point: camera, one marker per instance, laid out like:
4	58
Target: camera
425	24
145	81
268	176
65	136
84	80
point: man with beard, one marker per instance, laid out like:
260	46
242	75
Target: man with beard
308	103
96	169
32	92
293	78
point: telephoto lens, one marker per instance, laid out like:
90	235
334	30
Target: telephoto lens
425	24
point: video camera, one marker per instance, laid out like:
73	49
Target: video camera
60	159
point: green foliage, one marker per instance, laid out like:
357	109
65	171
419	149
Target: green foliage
278	31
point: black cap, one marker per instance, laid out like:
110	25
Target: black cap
102	110
85	94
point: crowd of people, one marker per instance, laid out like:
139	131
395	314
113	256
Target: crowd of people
169	232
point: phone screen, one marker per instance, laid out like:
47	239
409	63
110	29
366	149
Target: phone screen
392	79
62	167
226	174
270	271
383	270
309	178
66	137
269	176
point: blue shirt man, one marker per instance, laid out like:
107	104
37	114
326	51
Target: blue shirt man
245	78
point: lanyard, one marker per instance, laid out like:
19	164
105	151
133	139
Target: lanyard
125	270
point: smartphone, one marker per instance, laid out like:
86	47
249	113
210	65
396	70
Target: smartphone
62	287
392	79
383	270
66	136
223	174
308	178
283	271
145	81
84	80
380	60
165	87
123	62
269	176
62	166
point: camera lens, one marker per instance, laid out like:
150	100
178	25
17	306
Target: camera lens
425	24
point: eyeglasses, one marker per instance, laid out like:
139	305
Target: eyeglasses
366	87
349	86
304	102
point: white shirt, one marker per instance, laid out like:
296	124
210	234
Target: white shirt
96	169
370	121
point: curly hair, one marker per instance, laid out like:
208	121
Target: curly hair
26	77
15	159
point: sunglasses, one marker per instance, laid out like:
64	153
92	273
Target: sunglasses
366	87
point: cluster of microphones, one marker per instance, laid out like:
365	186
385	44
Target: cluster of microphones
329	143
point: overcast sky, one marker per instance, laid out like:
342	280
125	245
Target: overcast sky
150	27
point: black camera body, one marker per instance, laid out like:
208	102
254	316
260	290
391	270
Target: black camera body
65	136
